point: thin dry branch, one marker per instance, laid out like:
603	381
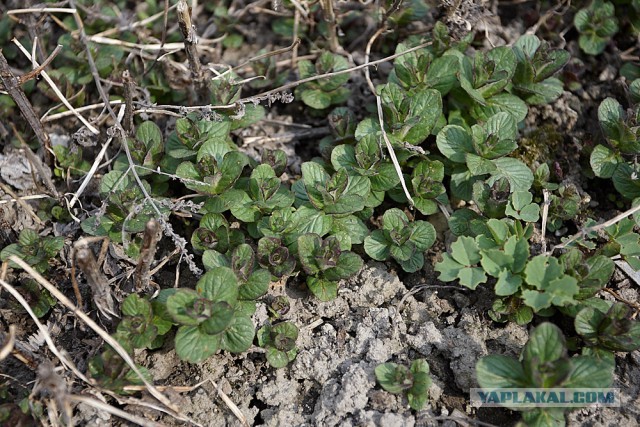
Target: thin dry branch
97	329
96	163
112	410
190	42
42	328
392	153
152	234
12	84
593	228
55	89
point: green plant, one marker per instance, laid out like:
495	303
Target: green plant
414	381
613	330
208	317
524	285
325	264
537	62
140	326
401	239
323	93
35	250
111	371
280	343
480	151
596	24
544	363
622	134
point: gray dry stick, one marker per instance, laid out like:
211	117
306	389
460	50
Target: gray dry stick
12	84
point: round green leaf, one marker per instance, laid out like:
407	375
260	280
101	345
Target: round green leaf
219	284
193	345
238	336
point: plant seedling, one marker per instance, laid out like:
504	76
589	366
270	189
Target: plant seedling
596	24
208	317
614	330
34	250
280	343
325	264
544	363
323	93
414	381
400	239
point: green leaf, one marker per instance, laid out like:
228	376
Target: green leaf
315	98
194	345
418	394
441	74
348	264
238	336
212	259
625	180
180	307
257	284
414	263
516	172
219	284
507	284
603	161
221	316
376	245
308	246
471	277
324	290
133	305
546	344
536	300
497	371
423	235
465	250
454	142
394	219
589	372
308	220
352	226
394	378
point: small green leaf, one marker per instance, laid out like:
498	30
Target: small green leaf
394	378
219	284
376	245
497	371
324	290
194	345
546	344
465	250
238	336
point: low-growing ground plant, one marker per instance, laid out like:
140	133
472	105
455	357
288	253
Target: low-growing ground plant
544	363
441	131
414	381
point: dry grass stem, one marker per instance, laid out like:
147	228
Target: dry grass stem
9	342
187	30
42	328
41	10
57	91
96	163
582	233
392	153
97	329
152	233
12	84
22	203
97	404
545	217
151	46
